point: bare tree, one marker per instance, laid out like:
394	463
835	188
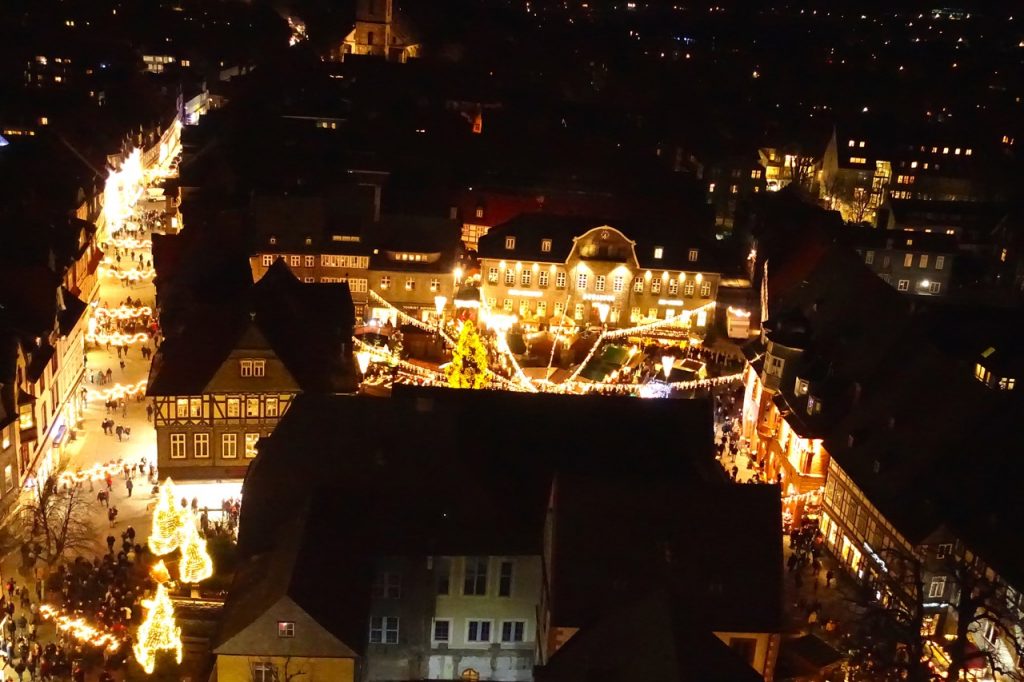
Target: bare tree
58	519
265	670
890	640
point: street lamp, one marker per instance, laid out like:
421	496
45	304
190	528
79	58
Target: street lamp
666	365
439	303
457	273
363	358
602	312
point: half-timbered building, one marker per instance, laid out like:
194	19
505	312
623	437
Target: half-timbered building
224	379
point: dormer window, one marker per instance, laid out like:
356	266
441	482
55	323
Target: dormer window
545	245
658	252
272	240
309	241
801	386
693	255
479	212
1007	383
510	243
813	405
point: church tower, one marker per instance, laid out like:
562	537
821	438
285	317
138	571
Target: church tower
378	33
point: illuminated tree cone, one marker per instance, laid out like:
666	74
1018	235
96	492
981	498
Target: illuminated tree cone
468	368
158	632
169	522
196	564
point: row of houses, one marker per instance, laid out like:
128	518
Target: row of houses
896	439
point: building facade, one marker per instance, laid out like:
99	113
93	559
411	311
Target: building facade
544	269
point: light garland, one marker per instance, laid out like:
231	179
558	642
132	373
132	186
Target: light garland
196	564
132	243
134	274
503	347
80	629
124	312
797	497
97	472
385	356
434	329
170	522
117	338
576	372
158	632
657	324
117	391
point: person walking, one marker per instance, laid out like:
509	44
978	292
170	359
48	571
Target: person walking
120	432
149	411
112	517
129	485
110	544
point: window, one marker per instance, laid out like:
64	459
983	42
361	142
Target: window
543	277
195	408
688	288
801	387
229	445
934	287
435	284
656	286
507	305
869	257
940	262
234	406
908	260
268	260
384	630
388	586
734	189
250	444
479	212
513	630
659	252
410	283
505	579
252	407
638	285
618	283
652	313
858	159
285	628
559	309
177	446
599	283
510	277
245	368
270	407
476	576
310	261
1007	383
443	574
937	587
943	550
922	262
510	243
578	312
634	314
560	280
692	256
673	287
755	175
524	307
492	275
294	261
264	672
525	277
478	631
542	309
385	282
201	442
545	245
442	630
903	285
581	281
705	290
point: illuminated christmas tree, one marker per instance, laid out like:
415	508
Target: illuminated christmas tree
158	632
196	564
169	522
468	368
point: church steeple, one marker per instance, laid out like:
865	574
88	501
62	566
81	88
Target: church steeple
377	33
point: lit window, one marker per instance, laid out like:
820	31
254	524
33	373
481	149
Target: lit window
934	287
658	252
1007	383
251	439
295	260
861	144
510	277
545	245
285	628
578	312
410	284
908	260
525	277
940	262
705	290
479	213
692	256
507	305
264	672
618	283
755	174
937	587
310	261
385	282
581	281
852	143
177	446
673	287
202	445
688	288
543	277
655	286
913	164
869	257
268	260
560	280
922	261
435	284
599	282
510	243
903	285
968	152
638	285
229	445
492	275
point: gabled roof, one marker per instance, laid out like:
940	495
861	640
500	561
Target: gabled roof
306	327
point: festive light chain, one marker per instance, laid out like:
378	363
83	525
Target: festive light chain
802	496
132	243
503	347
97	472
384	356
170	522
134	274
590	354
196	564
412	320
80	629
117	338
124	312
117	391
158	632
650	326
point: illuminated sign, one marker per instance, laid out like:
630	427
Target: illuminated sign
603	298
525	292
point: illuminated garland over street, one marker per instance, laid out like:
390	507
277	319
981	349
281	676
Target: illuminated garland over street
124	312
132	243
657	324
97	472
434	329
79	629
576	372
134	274
158	632
117	391
117	338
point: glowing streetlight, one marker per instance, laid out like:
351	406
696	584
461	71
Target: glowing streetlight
666	364
439	303
363	358
602	312
457	273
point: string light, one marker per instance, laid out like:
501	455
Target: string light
122	313
117	338
79	629
132	243
412	320
158	632
97	472
196	564
657	324
170	522
134	274
117	391
797	497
